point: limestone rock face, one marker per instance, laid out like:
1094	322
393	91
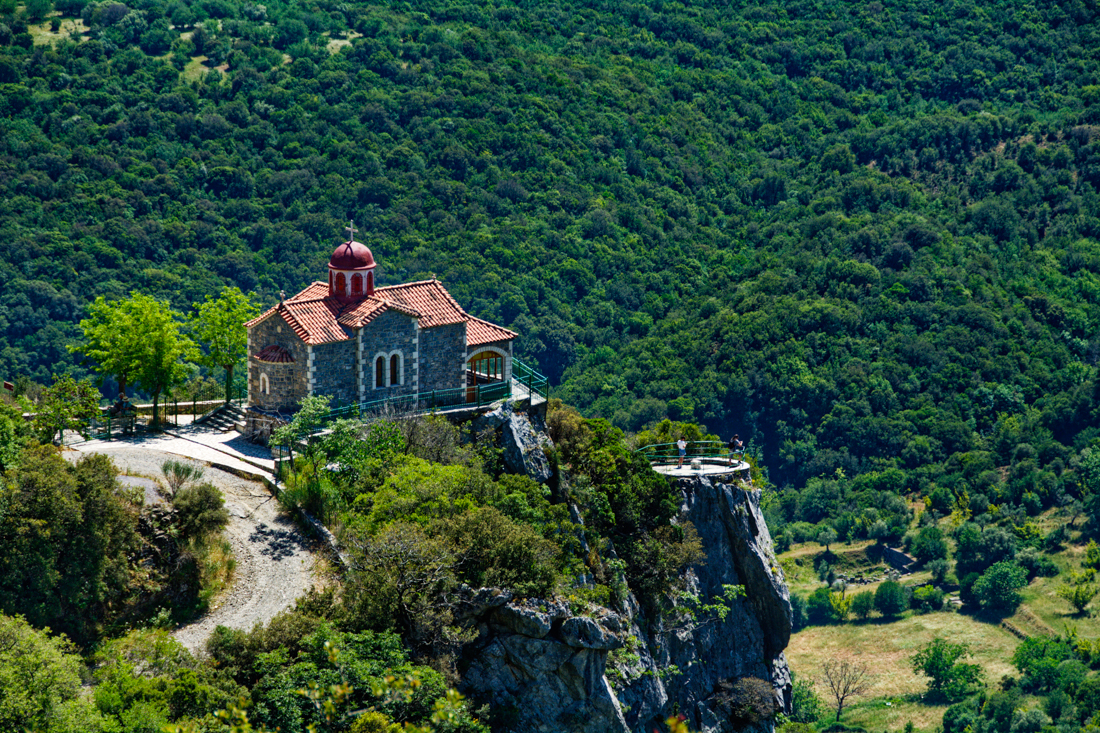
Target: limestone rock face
522	437
546	667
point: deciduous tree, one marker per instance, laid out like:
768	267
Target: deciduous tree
845	679
947	676
218	324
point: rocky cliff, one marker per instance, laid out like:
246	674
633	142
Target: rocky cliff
546	669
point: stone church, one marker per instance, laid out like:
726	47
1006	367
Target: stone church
359	343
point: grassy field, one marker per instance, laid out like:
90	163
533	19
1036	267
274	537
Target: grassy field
895	695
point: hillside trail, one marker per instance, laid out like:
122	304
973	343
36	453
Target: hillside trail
274	558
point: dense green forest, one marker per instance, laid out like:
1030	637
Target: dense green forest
862	234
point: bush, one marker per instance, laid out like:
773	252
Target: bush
927	598
747	701
997	588
929	544
819	609
863	603
890	599
1036	564
806	706
493	550
200	511
799	620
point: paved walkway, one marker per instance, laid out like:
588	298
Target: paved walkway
230	450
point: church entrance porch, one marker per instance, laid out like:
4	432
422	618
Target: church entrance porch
485	368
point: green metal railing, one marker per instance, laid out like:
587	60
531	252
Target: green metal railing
707	451
473	396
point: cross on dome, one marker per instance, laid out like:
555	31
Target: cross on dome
351	230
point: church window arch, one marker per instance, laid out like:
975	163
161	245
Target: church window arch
356	284
265	384
341	284
370	283
380	372
395	369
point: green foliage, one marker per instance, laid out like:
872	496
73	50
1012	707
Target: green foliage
1039	658
997	588
939	660
66	532
65	405
890	599
862	605
41	676
178	474
219	325
496	551
806	705
927	598
200	511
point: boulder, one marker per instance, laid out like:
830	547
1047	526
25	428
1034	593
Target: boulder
586	633
522	620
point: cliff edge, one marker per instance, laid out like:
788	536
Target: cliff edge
714	659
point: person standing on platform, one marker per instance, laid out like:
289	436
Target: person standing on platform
682	445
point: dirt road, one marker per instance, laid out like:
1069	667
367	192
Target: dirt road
274	559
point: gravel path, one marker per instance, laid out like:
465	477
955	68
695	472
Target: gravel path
274	559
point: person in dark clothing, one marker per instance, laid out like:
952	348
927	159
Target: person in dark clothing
736	446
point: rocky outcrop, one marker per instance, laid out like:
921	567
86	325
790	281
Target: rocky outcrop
542	666
685	663
522	439
550	670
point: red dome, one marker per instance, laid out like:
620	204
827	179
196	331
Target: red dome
351	256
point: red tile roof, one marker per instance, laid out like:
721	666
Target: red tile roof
480	332
428	298
319	319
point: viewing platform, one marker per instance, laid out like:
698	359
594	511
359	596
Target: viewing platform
708	458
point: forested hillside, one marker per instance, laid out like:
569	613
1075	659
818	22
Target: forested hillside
862	234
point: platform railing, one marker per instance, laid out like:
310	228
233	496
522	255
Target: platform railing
707	451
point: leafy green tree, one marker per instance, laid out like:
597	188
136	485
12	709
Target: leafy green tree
948	677
998	587
41	678
164	348
826	537
863	603
890	598
37	9
66	535
806	706
303	429
113	339
66	405
219	325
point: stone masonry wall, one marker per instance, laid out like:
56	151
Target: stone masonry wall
390	332
288	382
335	372
442	356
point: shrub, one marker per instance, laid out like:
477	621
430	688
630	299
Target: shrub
799	619
200	511
818	608
806	706
890	599
493	550
997	588
747	701
929	544
927	598
863	603
1036	564
938	568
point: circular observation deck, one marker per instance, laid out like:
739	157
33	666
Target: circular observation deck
702	458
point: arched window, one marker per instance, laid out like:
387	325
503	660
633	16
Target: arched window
341	284
265	385
370	283
379	372
394	369
357	284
